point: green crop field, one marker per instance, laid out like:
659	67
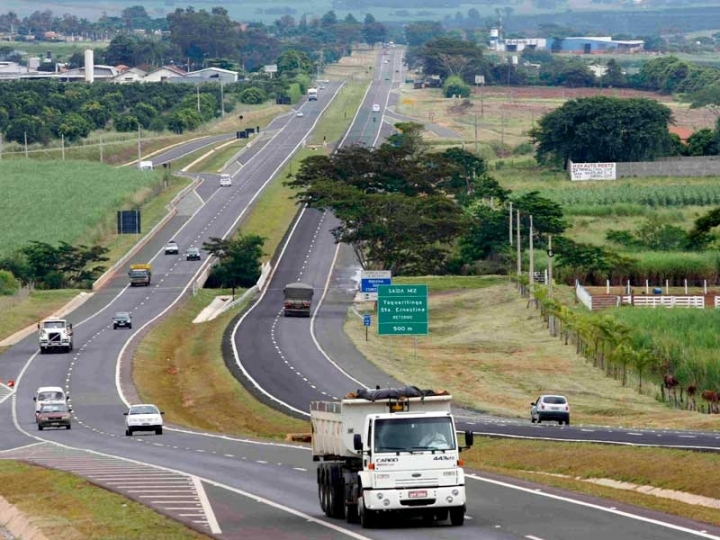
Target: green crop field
671	193
67	201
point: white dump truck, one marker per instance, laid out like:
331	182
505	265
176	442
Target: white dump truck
312	94
55	334
389	450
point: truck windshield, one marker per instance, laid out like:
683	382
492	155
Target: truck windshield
54	324
414	434
138	273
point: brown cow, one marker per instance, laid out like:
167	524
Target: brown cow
712	399
671	384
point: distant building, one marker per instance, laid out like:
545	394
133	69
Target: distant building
594	45
519	45
129	75
100	73
163	74
211	74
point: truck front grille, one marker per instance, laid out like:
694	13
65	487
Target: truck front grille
416	482
54	336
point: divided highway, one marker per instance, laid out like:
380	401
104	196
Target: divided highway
238	488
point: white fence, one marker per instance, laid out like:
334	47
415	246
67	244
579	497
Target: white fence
667	301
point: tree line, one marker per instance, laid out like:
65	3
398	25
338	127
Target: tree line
44	266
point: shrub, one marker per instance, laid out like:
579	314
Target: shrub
8	284
455	86
253	96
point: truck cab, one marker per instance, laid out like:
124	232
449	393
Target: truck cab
411	459
55	334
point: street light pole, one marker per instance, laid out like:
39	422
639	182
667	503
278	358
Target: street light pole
550	255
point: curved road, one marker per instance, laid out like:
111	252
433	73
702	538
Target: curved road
235	488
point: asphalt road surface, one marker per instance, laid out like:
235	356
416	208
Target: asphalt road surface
237	488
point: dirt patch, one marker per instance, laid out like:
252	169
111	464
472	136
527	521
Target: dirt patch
507	113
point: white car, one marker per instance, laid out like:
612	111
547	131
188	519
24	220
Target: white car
225	180
171	248
550	407
300	114
143	417
49	394
376	107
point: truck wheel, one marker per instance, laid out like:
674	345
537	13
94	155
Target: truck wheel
457	516
441	515
337	492
368	518
68	426
40	428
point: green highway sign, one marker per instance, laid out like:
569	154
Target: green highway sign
402	310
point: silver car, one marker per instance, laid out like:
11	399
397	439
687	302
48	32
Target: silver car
550	407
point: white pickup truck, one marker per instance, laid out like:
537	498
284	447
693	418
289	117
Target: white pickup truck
389	450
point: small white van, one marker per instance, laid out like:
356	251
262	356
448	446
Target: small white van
49	394
225	180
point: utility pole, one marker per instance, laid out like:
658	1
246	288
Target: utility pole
476	141
222	99
531	271
510	224
519	252
139	146
550	255
198	97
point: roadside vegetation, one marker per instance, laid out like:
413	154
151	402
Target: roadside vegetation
63	505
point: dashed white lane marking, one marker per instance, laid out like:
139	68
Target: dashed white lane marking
531	537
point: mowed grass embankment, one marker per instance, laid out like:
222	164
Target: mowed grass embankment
495	354
179	365
27	308
65	506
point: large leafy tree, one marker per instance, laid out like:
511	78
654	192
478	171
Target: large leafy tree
400	205
201	34
373	31
447	55
238	260
603	129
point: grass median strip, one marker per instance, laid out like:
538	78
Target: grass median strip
179	366
65	506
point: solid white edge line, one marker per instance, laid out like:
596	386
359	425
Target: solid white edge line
207	507
593	506
312	322
593	441
22	447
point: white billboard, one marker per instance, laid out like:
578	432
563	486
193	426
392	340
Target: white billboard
592	171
